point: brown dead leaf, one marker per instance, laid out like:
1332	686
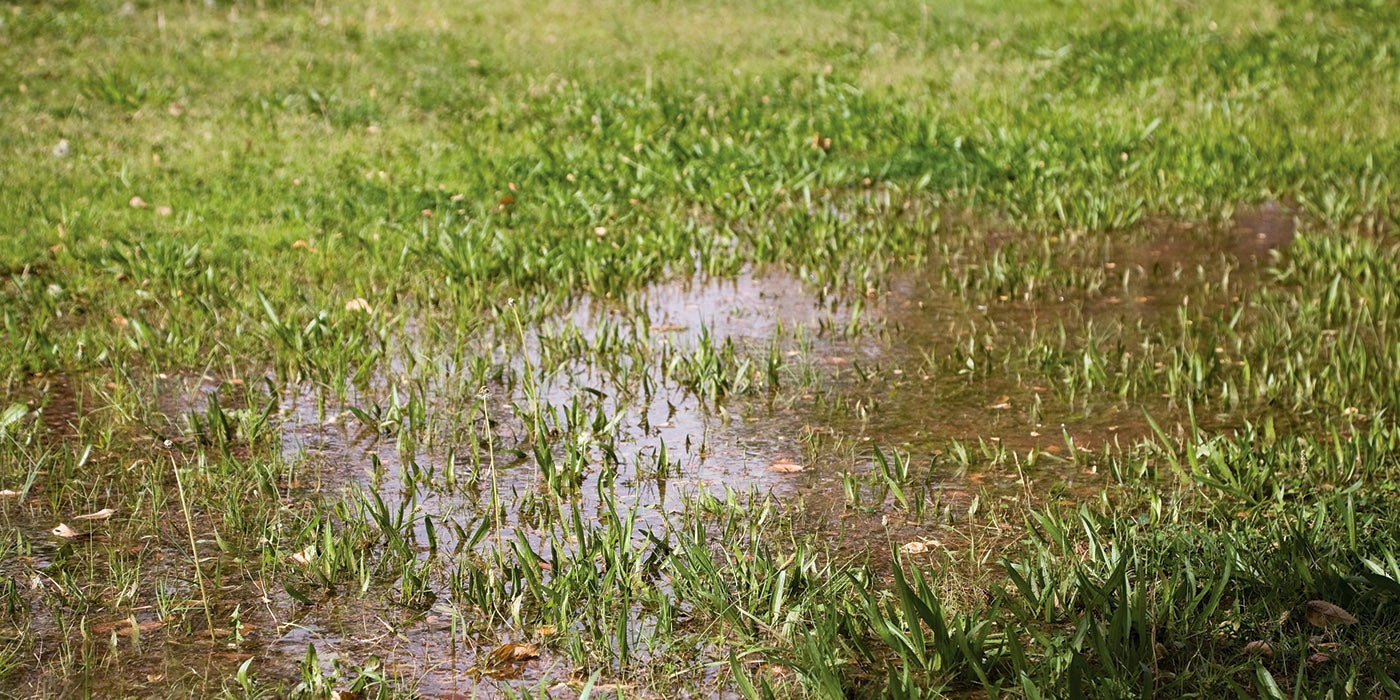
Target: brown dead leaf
67	533
305	556
1321	613
1259	648
914	548
783	465
99	515
512	653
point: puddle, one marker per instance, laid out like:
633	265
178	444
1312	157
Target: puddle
1258	231
946	380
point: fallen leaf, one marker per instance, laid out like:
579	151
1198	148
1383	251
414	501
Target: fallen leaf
137	203
786	466
1323	614
914	548
9	493
164	210
358	304
1318	659
1259	648
305	556
99	515
65	532
511	653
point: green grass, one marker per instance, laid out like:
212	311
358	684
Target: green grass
384	284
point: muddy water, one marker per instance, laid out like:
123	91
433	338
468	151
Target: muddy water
858	374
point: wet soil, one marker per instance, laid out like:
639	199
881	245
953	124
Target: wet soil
859	374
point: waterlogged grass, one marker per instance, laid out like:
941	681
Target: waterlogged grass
780	349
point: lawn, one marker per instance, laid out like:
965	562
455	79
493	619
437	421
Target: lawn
403	348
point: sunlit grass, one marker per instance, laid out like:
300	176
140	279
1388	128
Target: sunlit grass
352	315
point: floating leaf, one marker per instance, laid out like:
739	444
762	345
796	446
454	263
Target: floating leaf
67	533
784	465
914	548
511	653
99	515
